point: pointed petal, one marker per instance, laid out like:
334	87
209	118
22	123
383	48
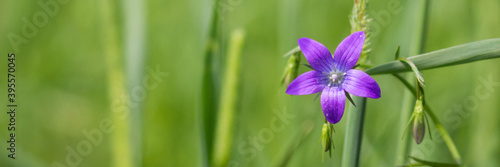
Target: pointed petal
359	83
308	83
318	56
347	53
333	103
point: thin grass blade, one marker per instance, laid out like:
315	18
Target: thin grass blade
466	53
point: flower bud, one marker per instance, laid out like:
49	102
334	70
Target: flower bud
418	122
326	140
292	68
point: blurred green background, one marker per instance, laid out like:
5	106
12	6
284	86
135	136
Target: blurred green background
64	81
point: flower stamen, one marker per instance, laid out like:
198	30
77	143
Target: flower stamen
336	78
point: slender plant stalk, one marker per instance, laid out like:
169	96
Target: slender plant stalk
446	137
404	145
416	47
354	132
208	97
408	102
228	102
121	148
134	41
355	117
425	21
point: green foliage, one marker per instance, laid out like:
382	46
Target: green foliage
466	53
228	102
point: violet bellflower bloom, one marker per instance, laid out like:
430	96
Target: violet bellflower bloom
334	76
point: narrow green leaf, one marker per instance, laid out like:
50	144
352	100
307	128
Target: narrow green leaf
317	95
208	98
408	125
428	125
120	138
397	52
350	98
435	164
415	70
466	53
224	132
308	66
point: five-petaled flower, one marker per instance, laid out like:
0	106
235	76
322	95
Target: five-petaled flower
334	75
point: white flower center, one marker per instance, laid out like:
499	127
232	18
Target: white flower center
336	78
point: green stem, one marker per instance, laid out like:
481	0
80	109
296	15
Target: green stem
354	132
416	47
425	20
229	98
208	97
446	137
121	148
355	117
406	111
134	57
406	83
404	145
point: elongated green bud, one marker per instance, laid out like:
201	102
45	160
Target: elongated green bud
326	140
292	68
418	122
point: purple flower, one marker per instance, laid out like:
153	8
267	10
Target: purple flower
334	75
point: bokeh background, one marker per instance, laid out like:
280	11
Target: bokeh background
64	80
